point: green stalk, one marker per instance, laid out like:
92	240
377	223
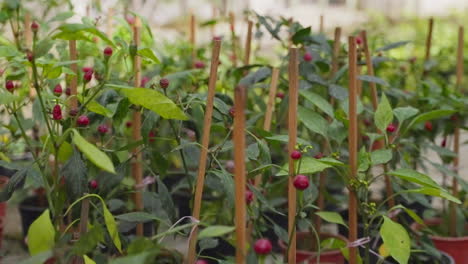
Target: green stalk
181	152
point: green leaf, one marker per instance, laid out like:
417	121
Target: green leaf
111	227
410	212
97	157
438	192
373	79
62	16
338	92
75	174
215	231
383	116
309	165
393	45
65	152
97	108
301	35
15	182
41	234
332	217
154	101
7	98
414	177
319	102
43	47
396	240
137	217
88	260
436	114
381	156
8	51
148	53
403	113
313	121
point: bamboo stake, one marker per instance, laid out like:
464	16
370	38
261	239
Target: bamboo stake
192	36
374	100
204	149
137	170
239	173
335	56
370	69
248	43
74	78
27	30
456	139
429	40
292	131
353	145
269	110
84	216
321	24
232	24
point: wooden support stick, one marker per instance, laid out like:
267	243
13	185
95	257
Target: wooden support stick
137	170
374	100
269	110
84	216
192	36
27	30
429	40
248	43
74	78
456	138
232	24
239	173
321	25
370	70
292	131
353	145
204	149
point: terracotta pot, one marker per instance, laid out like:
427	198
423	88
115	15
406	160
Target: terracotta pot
332	256
457	247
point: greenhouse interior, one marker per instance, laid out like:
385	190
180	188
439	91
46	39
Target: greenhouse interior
233	131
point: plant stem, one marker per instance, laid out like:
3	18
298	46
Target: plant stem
181	151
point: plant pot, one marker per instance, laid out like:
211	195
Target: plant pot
332	256
456	247
30	210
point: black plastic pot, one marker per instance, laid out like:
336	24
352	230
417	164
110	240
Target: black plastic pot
30	210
